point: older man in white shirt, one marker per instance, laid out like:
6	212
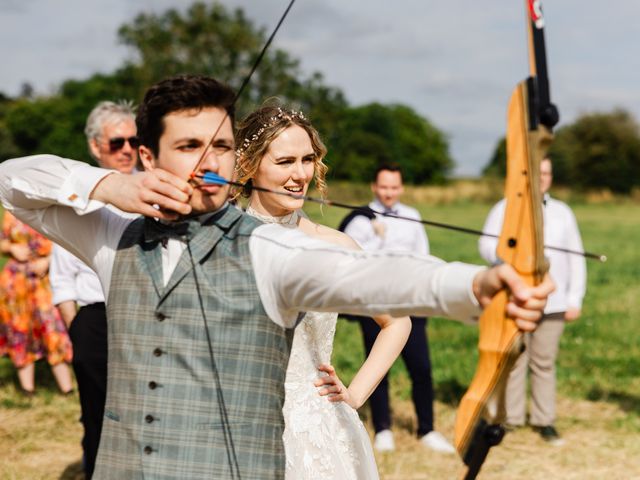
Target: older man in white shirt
377	232
565	304
112	142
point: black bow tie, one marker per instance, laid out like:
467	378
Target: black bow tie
156	231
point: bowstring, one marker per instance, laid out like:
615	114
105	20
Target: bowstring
224	417
243	85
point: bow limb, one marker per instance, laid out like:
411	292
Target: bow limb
530	118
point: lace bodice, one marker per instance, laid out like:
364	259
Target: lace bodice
322	440
290	219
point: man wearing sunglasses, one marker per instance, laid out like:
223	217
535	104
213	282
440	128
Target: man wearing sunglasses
111	134
112	142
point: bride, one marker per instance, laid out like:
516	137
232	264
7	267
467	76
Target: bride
280	150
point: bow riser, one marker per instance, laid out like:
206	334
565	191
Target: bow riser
521	241
521	244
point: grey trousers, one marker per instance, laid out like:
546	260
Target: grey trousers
539	359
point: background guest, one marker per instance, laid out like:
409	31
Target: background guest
112	141
377	232
565	304
30	326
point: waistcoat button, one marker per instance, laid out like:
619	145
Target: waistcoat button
153	385
160	316
157	352
149	419
148	450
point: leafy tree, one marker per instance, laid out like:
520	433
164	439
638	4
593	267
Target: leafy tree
205	39
374	134
497	166
598	150
8	149
216	41
603	151
212	40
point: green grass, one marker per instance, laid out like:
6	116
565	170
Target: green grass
599	354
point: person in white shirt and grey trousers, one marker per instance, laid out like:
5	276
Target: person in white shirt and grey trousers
377	232
565	304
112	141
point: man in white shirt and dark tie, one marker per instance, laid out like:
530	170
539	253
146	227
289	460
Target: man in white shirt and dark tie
565	304
377	232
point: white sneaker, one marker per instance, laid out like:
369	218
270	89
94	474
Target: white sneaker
436	442
383	441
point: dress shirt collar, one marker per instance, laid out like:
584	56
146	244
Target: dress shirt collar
379	207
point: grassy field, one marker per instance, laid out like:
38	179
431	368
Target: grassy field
598	371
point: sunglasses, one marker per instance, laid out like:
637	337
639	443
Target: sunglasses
117	143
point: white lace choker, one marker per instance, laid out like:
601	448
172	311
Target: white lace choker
288	219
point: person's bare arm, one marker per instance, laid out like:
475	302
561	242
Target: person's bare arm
68	310
393	335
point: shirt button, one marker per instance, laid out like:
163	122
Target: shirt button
157	352
153	385
160	316
149	419
148	450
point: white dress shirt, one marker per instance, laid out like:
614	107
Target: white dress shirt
294	272
568	271
72	280
399	235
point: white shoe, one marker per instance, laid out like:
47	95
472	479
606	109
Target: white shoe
383	441
436	442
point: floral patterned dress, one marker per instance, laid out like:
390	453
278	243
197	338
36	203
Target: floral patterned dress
30	325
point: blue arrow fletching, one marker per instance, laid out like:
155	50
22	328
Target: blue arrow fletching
214	178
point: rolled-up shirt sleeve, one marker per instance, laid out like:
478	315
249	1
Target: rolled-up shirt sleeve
296	273
62	276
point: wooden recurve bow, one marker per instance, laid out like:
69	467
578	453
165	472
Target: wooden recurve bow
530	119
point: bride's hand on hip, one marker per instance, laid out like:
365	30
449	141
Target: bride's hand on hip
332	387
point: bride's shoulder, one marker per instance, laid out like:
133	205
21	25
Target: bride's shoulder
327	234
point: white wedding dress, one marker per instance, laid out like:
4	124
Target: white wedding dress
322	440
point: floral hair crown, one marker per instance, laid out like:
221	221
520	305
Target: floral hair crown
246	143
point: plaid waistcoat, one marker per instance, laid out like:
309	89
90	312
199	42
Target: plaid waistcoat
162	417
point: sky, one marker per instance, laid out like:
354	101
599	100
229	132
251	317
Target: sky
455	62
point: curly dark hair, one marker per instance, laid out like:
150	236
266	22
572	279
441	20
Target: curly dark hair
183	92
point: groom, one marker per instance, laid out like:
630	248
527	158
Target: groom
201	313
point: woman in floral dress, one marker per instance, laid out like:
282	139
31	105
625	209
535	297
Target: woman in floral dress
30	326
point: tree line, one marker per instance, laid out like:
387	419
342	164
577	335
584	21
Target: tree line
223	43
597	150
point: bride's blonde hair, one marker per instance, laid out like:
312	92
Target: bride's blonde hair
256	132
